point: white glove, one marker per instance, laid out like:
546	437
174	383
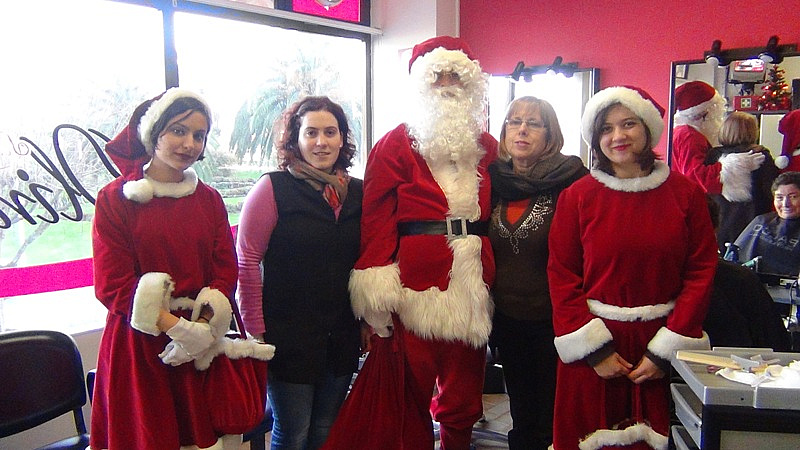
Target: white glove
749	161
380	321
174	354
194	337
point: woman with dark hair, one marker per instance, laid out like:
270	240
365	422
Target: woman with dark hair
527	178
632	261
302	225
165	267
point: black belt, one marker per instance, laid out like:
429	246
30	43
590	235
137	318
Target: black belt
449	227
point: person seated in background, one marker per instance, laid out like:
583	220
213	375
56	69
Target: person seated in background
775	236
741	312
739	134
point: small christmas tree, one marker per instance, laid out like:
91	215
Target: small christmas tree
776	94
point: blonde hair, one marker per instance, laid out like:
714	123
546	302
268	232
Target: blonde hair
739	128
554	139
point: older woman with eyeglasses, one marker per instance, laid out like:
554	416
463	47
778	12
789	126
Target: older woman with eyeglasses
526	180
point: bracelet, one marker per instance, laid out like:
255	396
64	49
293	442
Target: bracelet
201	317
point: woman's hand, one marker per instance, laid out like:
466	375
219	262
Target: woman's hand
645	370
613	366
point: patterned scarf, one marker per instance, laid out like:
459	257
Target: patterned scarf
333	186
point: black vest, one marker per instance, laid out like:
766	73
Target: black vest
307	266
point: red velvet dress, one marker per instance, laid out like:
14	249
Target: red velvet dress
631	265
139	402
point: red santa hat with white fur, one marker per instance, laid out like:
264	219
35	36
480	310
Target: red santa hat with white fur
444	54
789	127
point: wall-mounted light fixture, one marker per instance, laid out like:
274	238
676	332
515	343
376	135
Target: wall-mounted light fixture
713	57
772	53
557	67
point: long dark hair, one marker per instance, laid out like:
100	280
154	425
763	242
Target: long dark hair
289	150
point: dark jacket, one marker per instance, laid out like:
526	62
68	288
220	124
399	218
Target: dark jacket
306	267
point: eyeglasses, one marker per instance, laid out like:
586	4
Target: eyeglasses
513	124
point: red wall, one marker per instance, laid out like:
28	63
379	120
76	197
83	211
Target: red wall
631	41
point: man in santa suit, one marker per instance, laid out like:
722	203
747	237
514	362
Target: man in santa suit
699	112
425	256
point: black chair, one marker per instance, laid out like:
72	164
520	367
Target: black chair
41	378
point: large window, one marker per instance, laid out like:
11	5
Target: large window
74	70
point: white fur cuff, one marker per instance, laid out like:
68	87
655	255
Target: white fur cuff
666	341
735	178
152	294
375	289
219	303
582	342
640	432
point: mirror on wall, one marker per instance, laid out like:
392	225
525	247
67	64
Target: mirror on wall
567	94
741	82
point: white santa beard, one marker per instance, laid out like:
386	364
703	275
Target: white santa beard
446	129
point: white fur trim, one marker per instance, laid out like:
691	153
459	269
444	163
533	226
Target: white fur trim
582	342
375	289
656	178
221	321
736	178
782	162
630	314
687	115
234	349
666	341
464	311
152	293
158	107
142	191
440	59
629	98
178	303
631	435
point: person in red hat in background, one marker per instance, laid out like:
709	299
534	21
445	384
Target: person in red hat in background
699	112
617	325
426	262
789	127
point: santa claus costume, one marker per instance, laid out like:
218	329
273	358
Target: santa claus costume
424	252
699	111
161	246
630	270
789	127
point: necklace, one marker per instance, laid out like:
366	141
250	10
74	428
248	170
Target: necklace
542	206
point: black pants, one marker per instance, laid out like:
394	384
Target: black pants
528	356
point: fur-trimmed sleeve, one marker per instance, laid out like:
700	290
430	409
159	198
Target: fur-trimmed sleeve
379	236
684	328
578	332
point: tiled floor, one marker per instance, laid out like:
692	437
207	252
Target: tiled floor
497	422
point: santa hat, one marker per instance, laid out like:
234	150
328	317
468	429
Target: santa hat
789	127
133	148
156	110
694	98
633	98
445	42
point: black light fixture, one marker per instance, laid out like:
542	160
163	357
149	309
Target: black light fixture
714	57
517	71
771	55
558	66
